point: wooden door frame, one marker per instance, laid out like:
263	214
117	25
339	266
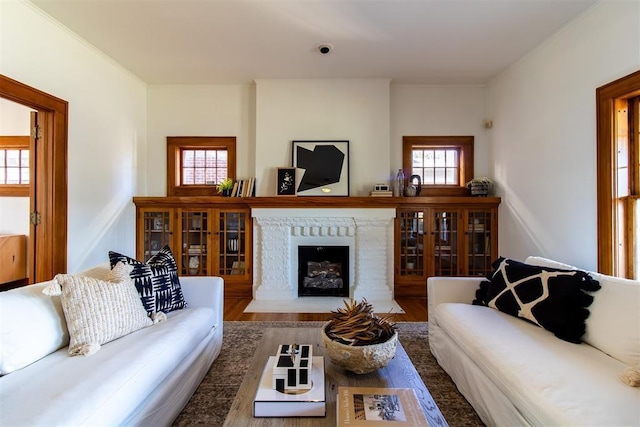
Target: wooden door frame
49	244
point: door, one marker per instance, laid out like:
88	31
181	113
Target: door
155	228
48	251
444	243
410	259
233	257
195	242
479	241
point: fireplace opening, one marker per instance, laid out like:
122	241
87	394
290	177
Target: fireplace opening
323	271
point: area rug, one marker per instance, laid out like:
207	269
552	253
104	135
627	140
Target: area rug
212	400
315	305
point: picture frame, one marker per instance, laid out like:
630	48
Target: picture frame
324	166
286	182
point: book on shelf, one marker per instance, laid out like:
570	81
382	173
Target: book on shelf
237	267
244	188
269	402
479	228
379	406
196	249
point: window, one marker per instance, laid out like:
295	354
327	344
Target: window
14	166
436	166
618	177
196	164
203	166
443	163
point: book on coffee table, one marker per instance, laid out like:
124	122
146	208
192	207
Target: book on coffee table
377	406
273	403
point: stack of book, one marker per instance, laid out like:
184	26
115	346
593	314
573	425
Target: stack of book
478	228
381	193
195	249
237	267
244	188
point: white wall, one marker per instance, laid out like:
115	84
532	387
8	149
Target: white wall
107	127
419	110
354	110
15	120
197	110
544	146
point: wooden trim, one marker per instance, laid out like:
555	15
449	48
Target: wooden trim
48	245
177	143
14	190
464	143
606	97
12	141
311	202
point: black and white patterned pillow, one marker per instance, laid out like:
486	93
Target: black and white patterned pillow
548	297
156	280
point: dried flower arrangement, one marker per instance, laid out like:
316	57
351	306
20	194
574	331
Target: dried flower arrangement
357	325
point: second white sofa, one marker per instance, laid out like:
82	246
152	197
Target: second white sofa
516	373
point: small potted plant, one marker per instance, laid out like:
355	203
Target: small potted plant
480	186
225	186
358	340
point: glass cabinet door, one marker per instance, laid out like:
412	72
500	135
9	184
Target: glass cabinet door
232	241
195	233
157	232
445	232
478	242
411	251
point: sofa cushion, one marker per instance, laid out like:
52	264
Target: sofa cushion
549	297
156	280
614	323
551	382
99	311
32	325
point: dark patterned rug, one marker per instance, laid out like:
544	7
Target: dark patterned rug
211	401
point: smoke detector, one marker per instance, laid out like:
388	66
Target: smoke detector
324	48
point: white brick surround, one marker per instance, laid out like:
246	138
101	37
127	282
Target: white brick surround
368	232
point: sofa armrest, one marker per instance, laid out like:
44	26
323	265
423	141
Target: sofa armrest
204	291
450	289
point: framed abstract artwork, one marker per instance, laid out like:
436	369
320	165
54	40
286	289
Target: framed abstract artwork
324	166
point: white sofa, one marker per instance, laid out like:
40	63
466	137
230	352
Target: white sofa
144	378
515	373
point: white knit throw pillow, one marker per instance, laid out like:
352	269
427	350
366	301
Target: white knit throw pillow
99	311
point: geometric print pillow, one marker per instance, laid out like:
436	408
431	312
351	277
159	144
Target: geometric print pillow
156	280
551	298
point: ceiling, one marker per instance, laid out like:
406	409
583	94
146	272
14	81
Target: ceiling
230	41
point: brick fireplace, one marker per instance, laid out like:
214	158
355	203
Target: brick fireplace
367	232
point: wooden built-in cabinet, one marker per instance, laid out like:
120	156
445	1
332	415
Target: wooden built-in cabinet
434	236
454	239
205	240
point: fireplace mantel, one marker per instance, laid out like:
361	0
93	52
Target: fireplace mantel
312	202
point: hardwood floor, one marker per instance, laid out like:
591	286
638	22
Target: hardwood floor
415	308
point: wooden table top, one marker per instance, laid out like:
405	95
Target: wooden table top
399	373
